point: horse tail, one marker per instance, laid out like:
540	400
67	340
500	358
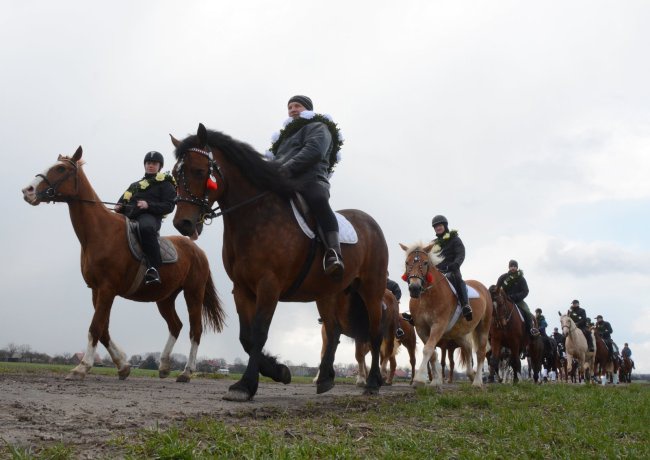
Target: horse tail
213	314
465	357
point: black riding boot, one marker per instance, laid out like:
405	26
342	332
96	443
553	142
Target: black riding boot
333	262
590	341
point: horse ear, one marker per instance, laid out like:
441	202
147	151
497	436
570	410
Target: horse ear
559	314
403	247
428	248
77	155
175	141
202	134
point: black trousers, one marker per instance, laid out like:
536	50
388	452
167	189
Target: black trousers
149	227
318	199
458	283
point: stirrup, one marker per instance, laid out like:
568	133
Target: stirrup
152	276
335	267
467	312
534	331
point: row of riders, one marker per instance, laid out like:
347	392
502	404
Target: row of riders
212	167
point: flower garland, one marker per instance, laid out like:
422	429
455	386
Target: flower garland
442	241
146	182
292	126
513	277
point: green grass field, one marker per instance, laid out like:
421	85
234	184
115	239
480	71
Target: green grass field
501	421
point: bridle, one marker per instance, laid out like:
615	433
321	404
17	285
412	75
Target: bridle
51	193
423	275
497	310
207	211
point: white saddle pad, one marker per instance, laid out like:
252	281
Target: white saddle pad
471	294
347	233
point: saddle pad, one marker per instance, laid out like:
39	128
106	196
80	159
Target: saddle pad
347	233
471	292
454	318
167	248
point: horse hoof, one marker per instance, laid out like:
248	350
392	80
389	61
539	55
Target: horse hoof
285	375
370	391
183	378
163	374
124	372
324	387
237	396
418	384
75	376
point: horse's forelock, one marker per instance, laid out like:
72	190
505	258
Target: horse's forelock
434	257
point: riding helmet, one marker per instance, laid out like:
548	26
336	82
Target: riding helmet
439	219
155	156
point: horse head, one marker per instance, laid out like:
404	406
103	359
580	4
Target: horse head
420	265
500	302
200	182
58	183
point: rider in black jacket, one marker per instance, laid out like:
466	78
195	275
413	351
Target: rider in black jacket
452	252
305	157
148	201
605	330
579	317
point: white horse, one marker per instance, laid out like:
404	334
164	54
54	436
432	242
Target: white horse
576	347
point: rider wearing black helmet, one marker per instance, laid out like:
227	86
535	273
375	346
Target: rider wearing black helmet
452	252
516	287
579	317
147	201
605	330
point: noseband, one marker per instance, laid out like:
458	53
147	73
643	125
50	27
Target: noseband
51	193
423	276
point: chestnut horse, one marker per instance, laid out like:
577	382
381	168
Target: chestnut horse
603	362
388	347
576	348
432	307
508	329
269	258
109	269
625	371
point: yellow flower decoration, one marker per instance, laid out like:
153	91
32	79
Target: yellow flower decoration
446	236
127	195
143	184
160	176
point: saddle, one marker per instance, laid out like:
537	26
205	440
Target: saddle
301	212
167	249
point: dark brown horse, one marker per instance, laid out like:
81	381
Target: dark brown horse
604	363
268	257
625	371
109	269
507	330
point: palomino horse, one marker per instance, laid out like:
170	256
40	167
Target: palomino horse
507	330
109	269
269	258
389	343
576	348
433	306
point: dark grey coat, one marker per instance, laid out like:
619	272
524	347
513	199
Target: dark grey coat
305	155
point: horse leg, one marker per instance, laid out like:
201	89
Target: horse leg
443	362
255	316
495	359
323	335
452	364
167	310
429	357
411	350
194	301
466	358
371	294
393	367
327	308
98	329
360	351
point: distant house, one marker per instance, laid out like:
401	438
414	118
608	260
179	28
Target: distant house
15	358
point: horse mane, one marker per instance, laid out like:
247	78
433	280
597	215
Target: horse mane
434	257
262	173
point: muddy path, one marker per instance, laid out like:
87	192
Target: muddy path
40	409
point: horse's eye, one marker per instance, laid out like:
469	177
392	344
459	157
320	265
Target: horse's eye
198	173
60	169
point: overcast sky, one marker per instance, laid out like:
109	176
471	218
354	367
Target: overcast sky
526	124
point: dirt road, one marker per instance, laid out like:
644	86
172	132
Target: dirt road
38	409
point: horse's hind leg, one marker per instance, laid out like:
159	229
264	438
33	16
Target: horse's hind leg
167	310
360	352
327	308
323	335
194	301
